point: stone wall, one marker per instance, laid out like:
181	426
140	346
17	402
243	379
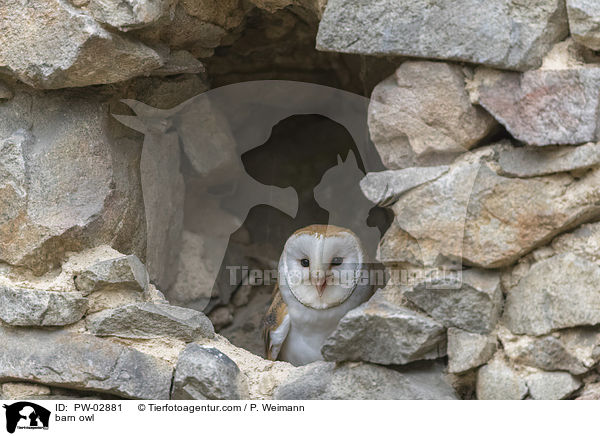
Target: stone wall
485	115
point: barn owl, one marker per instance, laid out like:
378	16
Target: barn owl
321	277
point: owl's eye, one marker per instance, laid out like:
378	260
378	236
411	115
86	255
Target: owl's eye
304	262
336	261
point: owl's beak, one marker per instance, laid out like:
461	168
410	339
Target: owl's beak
321	284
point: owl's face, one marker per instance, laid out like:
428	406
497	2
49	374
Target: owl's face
322	265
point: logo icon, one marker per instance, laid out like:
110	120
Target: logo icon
26	415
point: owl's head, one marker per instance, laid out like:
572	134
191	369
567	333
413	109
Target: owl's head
321	265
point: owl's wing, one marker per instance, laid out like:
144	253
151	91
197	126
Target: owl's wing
276	325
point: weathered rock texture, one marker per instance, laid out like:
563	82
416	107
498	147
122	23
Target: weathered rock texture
422	115
325	381
492	148
469	30
67	179
584	22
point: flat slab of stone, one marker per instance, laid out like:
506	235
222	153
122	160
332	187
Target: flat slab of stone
381	332
31	307
499	33
148	320
205	373
532	162
82	362
564	291
362	381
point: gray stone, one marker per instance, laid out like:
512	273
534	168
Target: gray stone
551	353
147	320
31	307
51	44
584	242
361	381
584	22
564	291
68	179
385	187
382	332
551	385
120	273
469	213
545	107
498	381
532	162
500	33
82	362
127	15
422	115
468	350
204	373
472	302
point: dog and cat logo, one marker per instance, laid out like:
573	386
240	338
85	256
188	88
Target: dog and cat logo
26	415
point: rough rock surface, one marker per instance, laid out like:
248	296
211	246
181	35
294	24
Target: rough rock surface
468	350
31	307
551	385
67	179
127	16
380	331
422	115
545	107
468	30
82	362
326	381
385	187
564	290
147	320
584	22
469	213
205	373
545	352
498	381
50	44
119	273
532	162
471	300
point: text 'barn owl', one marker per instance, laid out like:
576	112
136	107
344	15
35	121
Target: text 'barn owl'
319	281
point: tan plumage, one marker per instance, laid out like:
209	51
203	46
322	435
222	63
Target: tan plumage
273	320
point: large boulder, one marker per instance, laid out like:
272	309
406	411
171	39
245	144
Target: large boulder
422	115
147	320
68	179
381	331
82	362
498	33
52	44
326	381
